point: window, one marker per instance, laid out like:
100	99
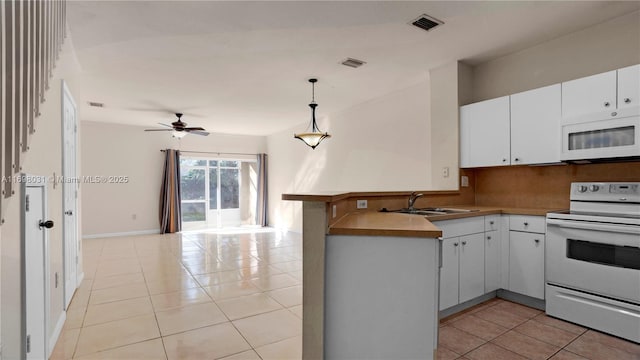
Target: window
211	192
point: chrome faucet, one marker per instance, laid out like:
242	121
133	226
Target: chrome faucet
412	199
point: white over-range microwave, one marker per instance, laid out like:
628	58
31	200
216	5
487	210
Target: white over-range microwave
605	135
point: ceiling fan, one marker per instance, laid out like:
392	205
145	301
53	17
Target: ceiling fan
180	128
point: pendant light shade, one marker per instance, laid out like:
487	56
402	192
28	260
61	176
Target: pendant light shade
315	136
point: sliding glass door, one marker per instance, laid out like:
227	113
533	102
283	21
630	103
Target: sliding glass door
213	193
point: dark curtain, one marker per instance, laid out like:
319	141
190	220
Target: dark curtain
170	213
261	211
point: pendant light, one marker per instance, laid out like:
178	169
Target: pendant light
315	137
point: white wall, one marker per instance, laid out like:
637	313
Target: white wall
121	150
43	158
607	46
380	145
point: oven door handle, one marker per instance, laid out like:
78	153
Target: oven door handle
583	225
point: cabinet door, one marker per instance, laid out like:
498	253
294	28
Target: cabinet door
471	266
484	133
449	273
535	126
629	86
588	95
526	263
492	265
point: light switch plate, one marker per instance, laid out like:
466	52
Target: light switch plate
361	204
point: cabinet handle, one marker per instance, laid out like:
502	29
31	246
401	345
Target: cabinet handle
464	243
517	159
455	244
627	100
491	222
537	241
504	160
526	223
607	104
488	237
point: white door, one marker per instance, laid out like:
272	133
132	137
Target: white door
484	133
70	194
591	94
629	87
35	267
471	266
535	126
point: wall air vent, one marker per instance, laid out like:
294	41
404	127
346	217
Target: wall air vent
354	63
426	22
96	104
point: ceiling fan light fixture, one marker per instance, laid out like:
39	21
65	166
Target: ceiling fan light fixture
178	134
315	136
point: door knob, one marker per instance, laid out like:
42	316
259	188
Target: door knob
47	224
68	212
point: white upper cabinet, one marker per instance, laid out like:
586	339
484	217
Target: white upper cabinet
629	86
484	133
588	95
535	126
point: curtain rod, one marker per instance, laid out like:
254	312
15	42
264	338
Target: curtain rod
211	152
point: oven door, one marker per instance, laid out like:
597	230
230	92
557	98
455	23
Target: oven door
606	138
597	258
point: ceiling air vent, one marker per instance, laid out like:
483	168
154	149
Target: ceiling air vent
96	104
426	22
354	63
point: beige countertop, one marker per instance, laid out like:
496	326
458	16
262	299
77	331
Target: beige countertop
384	224
395	224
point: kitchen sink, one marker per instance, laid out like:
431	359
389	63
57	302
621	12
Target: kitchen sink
431	211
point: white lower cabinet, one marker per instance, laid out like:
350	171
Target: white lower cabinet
492	268
471	267
462	272
526	263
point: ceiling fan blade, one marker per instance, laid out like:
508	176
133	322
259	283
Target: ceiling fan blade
166	125
158	129
198	132
194	129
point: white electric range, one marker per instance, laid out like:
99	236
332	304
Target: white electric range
593	259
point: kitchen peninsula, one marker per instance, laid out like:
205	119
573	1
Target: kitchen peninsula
370	287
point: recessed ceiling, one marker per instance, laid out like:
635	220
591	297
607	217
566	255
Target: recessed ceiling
242	67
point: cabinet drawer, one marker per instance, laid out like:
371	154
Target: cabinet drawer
460	227
491	222
527	223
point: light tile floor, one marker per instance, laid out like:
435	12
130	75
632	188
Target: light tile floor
188	296
239	296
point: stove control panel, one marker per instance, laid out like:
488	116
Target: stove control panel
609	192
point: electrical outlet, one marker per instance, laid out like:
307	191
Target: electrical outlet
464	181
445	172
334	211
361	204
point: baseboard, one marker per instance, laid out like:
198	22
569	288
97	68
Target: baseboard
55	336
119	234
522	299
467	304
